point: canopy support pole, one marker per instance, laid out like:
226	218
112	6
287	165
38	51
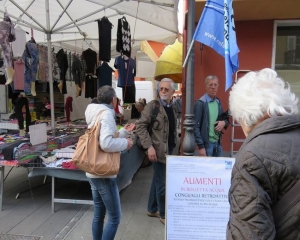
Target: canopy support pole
59	17
69	17
88	15
28	15
26	9
80	24
50	64
189	144
25	24
132	15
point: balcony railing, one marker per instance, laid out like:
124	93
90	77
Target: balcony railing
292	57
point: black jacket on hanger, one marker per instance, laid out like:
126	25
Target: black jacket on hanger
90	58
123	37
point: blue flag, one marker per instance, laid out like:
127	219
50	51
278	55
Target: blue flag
216	29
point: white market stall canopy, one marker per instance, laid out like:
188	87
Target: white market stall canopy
73	22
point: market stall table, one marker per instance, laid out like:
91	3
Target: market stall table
130	163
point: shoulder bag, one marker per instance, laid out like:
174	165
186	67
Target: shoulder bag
89	157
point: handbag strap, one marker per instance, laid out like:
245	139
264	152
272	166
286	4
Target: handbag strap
287	201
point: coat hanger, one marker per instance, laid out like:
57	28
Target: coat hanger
32	37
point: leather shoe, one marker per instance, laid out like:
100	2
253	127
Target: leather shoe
162	220
150	214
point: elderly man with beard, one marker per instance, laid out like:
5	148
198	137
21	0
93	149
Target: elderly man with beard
159	144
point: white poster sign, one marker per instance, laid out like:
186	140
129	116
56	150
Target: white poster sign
197	197
38	133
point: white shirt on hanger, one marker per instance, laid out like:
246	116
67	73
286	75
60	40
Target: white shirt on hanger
18	46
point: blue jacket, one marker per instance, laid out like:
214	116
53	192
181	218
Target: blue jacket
202	122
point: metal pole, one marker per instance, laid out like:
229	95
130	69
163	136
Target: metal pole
189	144
33	19
26	24
50	64
59	17
88	15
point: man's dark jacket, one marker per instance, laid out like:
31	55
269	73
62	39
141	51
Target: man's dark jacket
202	122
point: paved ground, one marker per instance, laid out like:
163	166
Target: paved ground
135	224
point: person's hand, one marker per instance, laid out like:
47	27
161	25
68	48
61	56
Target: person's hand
152	154
202	152
129	127
220	125
129	143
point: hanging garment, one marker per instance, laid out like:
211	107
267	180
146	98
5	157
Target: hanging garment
4	43
76	70
19	67
68	107
19	44
20	103
55	68
128	94
2	72
126	71
43	72
83	69
90	58
123	37
104	31
90	86
62	61
104	75
30	58
69	72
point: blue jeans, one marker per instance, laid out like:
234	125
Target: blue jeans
214	150
106	198
157	196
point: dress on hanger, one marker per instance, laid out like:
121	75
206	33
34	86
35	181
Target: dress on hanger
90	58
43	71
104	31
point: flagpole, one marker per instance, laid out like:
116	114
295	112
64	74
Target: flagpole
189	144
188	53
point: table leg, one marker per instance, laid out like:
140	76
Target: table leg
1	185
52	194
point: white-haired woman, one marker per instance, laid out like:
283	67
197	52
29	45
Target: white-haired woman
268	163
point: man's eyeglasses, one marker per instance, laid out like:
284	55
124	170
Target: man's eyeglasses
213	85
162	89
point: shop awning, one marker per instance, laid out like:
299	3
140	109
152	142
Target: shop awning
169	65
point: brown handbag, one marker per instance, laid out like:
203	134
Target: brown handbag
89	157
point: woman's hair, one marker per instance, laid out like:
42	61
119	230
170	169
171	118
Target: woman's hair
106	94
260	93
